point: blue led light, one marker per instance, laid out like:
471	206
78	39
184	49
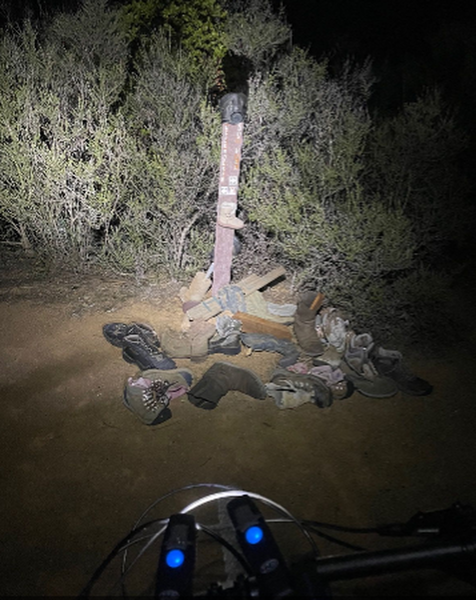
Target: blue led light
254	534
175	558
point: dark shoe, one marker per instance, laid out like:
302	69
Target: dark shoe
389	363
138	351
230	345
305	326
116	332
220	379
226	340
291	390
148	396
268	343
359	369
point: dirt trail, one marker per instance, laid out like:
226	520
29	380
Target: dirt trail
78	468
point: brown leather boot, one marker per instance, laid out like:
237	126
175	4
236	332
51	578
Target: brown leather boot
305	326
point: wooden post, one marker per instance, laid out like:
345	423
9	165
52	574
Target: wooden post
232	140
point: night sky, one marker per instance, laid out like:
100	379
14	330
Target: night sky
378	27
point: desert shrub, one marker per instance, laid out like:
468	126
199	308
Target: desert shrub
64	148
112	158
172	209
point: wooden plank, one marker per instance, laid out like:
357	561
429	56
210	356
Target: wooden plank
205	310
211	307
252	283
252	324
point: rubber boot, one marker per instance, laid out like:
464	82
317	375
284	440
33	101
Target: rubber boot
226	216
305	326
220	379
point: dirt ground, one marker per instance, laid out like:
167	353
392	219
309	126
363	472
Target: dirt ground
78	469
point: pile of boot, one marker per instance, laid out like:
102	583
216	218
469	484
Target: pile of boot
324	335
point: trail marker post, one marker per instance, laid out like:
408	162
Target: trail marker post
232	107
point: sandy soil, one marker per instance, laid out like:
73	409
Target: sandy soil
78	469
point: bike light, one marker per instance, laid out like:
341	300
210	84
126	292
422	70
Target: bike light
254	535
259	548
175	558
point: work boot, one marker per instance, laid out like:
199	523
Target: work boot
226	216
220	379
190	344
291	390
305	326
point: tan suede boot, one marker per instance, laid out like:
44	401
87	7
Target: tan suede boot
226	216
191	344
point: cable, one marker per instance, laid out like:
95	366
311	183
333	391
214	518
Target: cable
126	542
162	498
232	493
342	528
334	540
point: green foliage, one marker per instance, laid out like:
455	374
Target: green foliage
116	166
195	26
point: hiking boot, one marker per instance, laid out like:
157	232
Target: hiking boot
116	332
389	363
220	379
148	395
359	369
305	326
145	355
227	337
190	344
291	390
226	216
268	343
230	345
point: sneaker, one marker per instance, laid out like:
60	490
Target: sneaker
229	345
389	363
291	390
137	350
264	342
148	395
116	332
